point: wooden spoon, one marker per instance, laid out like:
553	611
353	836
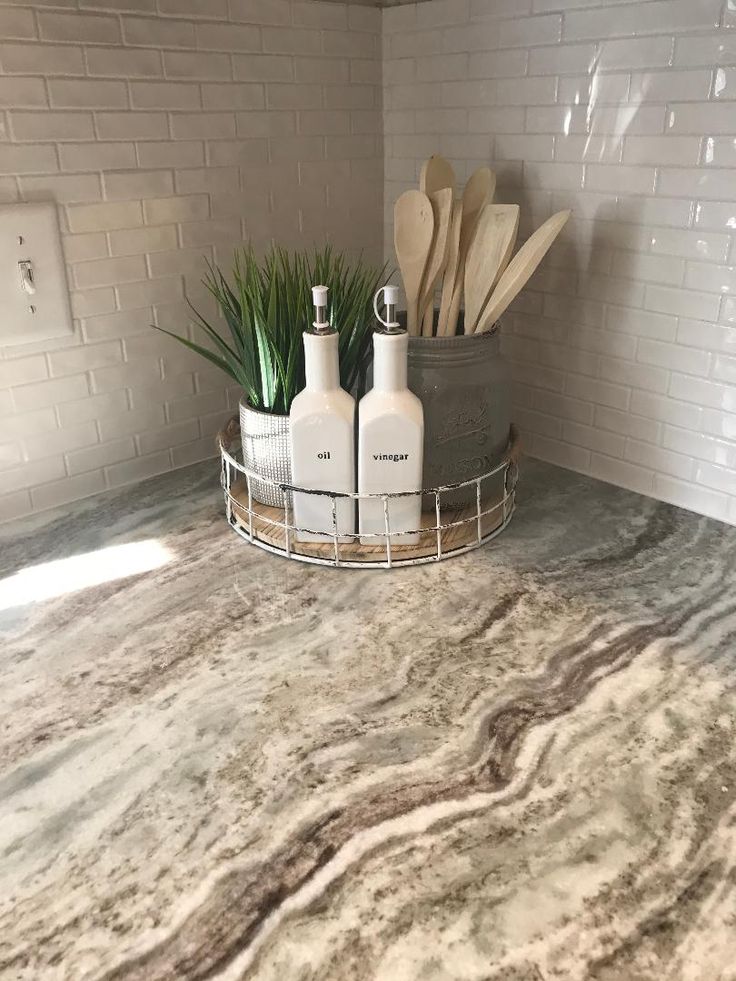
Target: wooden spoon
478	192
520	269
413	230
488	256
442	209
448	284
436	174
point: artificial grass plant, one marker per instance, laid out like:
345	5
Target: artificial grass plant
266	308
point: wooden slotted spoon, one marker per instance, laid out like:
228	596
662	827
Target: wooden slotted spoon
413	231
520	269
488	256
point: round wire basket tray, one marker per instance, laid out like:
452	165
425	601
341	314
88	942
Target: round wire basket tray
446	530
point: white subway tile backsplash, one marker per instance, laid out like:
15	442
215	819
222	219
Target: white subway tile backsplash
196	65
690	244
615	109
82	358
58	492
617	179
87	93
124	62
706	50
624	121
76	27
29	59
704	393
661	150
165	95
15	505
627	424
97	156
710	278
609	89
136	296
724	368
57	126
20	159
188	207
708	118
109	272
87	303
634	19
147	145
131	125
156	32
138	184
137	469
639	53
713	337
102	455
521	32
674	356
20	371
624	474
33	472
670	86
48	444
660	460
681	302
51	392
717	478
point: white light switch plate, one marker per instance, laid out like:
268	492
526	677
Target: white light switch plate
30	232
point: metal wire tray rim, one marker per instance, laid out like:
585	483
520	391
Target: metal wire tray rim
378	535
225	439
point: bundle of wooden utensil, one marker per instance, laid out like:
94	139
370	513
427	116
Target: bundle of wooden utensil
464	247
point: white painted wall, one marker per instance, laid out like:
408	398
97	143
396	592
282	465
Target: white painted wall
167	130
624	348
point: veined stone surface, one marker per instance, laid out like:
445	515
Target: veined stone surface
518	764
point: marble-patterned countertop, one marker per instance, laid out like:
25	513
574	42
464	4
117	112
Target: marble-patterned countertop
520	764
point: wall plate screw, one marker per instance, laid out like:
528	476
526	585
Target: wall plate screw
32	309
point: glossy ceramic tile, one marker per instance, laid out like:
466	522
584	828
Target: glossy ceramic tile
624	113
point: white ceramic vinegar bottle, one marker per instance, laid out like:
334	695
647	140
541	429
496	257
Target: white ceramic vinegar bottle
390	437
322	436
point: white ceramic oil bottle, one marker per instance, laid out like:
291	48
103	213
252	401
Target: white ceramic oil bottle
390	437
321	425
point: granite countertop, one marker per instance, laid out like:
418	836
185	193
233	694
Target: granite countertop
520	764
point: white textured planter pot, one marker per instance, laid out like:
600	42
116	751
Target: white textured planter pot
265	442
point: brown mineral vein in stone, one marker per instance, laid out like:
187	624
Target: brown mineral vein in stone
241	902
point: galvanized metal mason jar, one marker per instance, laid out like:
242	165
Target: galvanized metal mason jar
265	442
465	388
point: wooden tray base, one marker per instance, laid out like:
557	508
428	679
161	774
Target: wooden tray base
462	533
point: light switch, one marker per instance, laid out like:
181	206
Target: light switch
34	296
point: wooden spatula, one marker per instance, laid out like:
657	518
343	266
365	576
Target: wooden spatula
413	230
436	174
442	209
478	192
448	284
520	269
488	256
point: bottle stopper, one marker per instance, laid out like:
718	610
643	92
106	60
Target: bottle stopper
390	299
319	298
